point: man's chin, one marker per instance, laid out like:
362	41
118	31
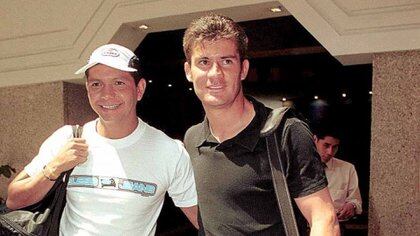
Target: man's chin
212	102
326	159
106	118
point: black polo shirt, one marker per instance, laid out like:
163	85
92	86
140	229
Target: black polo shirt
233	178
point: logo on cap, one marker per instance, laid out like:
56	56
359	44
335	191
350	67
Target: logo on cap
110	52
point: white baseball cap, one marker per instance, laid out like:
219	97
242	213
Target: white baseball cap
112	55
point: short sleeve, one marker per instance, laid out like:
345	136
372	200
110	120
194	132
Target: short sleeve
182	187
49	149
305	172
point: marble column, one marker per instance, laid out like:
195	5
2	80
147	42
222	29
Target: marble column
30	113
394	168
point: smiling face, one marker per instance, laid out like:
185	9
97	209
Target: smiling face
113	94
216	71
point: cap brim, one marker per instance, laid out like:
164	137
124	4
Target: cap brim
89	65
85	68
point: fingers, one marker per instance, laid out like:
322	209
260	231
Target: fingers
73	153
344	214
78	149
340	215
78	140
80	152
77	144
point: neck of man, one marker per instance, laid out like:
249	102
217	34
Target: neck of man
225	123
116	129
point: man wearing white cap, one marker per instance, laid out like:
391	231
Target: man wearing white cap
122	166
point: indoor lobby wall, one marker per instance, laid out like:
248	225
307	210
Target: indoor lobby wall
394	168
30	113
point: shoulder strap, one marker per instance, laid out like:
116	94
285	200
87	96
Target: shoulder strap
77	131
275	122
59	200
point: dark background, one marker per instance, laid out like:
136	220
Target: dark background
286	62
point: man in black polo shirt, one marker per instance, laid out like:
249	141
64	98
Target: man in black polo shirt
233	178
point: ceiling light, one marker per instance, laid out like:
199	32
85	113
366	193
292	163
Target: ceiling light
275	9
150	81
143	27
169	85
370	92
316	97
344	95
190	89
283	99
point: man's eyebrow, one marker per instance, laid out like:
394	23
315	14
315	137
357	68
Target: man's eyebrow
120	77
222	57
229	56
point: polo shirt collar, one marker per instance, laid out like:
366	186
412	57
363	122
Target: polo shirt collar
247	138
205	134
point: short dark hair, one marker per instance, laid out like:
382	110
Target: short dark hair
214	27
133	63
323	130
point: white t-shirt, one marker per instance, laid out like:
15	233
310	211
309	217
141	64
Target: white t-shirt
121	187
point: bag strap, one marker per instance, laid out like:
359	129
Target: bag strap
275	122
77	133
59	200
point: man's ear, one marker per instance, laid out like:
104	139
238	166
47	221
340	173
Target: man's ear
187	69
244	69
315	138
141	88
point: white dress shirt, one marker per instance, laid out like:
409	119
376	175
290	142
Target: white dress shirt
343	184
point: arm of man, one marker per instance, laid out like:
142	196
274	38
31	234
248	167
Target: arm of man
182	189
353	203
318	210
19	190
191	213
26	190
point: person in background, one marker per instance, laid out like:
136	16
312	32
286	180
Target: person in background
235	190
342	176
122	166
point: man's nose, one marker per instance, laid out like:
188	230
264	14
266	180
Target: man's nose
108	92
330	151
214	69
